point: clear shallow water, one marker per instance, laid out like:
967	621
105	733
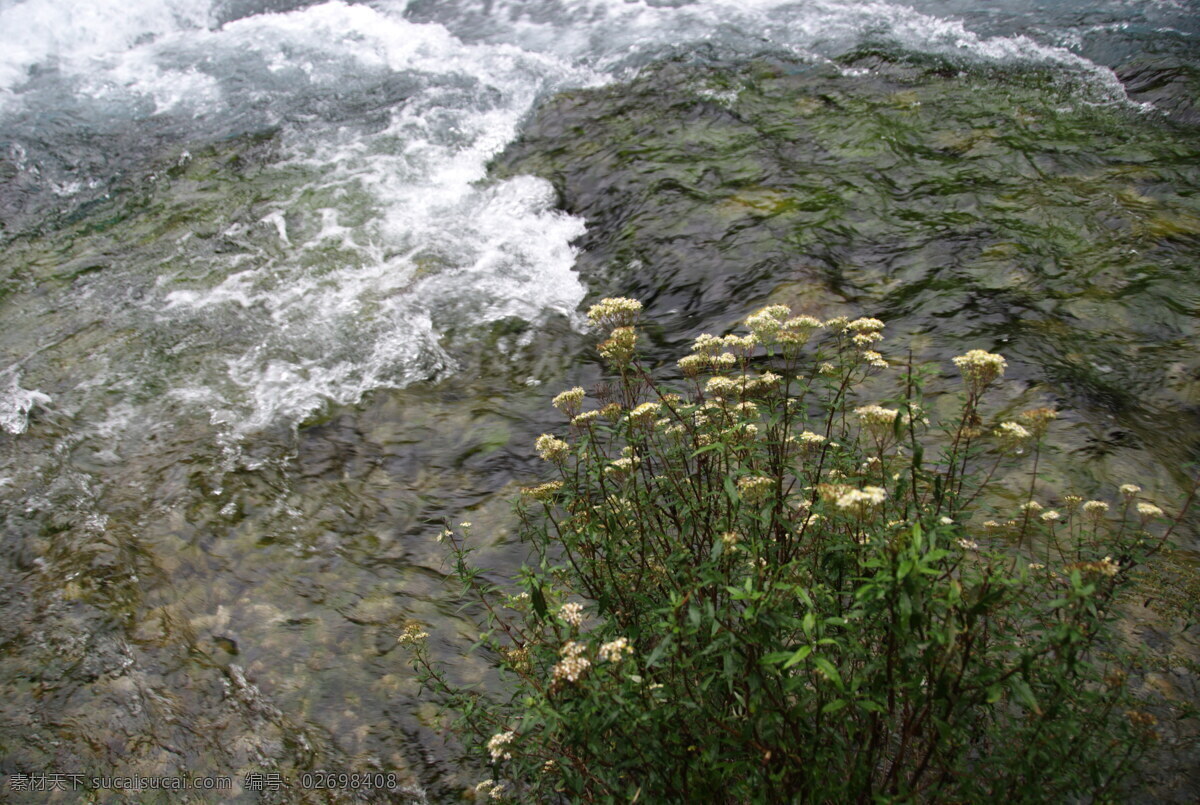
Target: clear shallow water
267	319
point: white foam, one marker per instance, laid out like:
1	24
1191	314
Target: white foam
16	403
605	33
77	36
443	251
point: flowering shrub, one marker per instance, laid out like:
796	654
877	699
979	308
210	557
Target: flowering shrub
762	586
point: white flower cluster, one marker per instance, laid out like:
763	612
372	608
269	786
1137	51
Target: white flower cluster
645	413
572	613
543	492
810	439
623	466
865	325
1149	510
755	488
766	323
764	382
866	333
584	418
692	364
615	650
491	788
1011	433
498	745
569	401
875	415
742	346
551	448
708	345
860	501
620	346
874	359
615	312
721	387
979	368
412	634
573	663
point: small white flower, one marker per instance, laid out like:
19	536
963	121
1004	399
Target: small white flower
615	650
550	448
585	417
572	613
412	634
865	325
876	415
979	368
1011	433
860	501
1149	510
721	387
498	745
615	312
569	401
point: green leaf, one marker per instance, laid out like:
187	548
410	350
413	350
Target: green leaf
658	651
707	448
809	623
799	656
834	706
826	667
1025	694
538	600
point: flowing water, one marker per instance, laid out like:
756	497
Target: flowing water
285	284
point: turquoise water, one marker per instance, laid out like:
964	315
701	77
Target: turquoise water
286	284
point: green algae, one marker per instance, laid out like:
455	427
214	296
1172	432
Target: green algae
1004	210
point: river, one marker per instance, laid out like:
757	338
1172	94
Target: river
285	285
